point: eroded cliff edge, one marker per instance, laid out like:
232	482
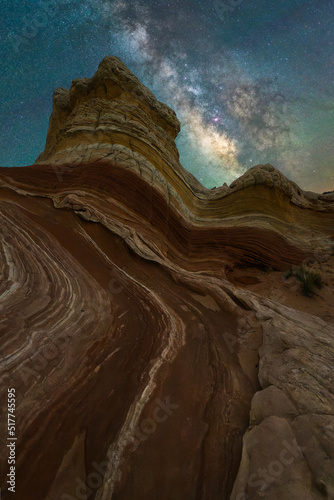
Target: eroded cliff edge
141	370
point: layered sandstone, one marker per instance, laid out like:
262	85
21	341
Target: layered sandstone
141	369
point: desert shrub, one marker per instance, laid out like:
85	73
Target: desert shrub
309	280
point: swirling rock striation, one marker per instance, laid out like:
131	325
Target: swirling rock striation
141	370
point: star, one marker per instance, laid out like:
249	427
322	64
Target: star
246	82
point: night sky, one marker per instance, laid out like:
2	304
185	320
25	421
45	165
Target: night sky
250	80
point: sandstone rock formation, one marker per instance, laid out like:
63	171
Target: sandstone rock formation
141	369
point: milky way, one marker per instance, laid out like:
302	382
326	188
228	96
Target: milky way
251	81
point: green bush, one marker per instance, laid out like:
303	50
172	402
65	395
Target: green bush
309	280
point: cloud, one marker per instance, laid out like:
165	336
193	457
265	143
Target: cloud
227	117
229	120
261	113
180	88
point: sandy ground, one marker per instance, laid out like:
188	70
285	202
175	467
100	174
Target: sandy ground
273	285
